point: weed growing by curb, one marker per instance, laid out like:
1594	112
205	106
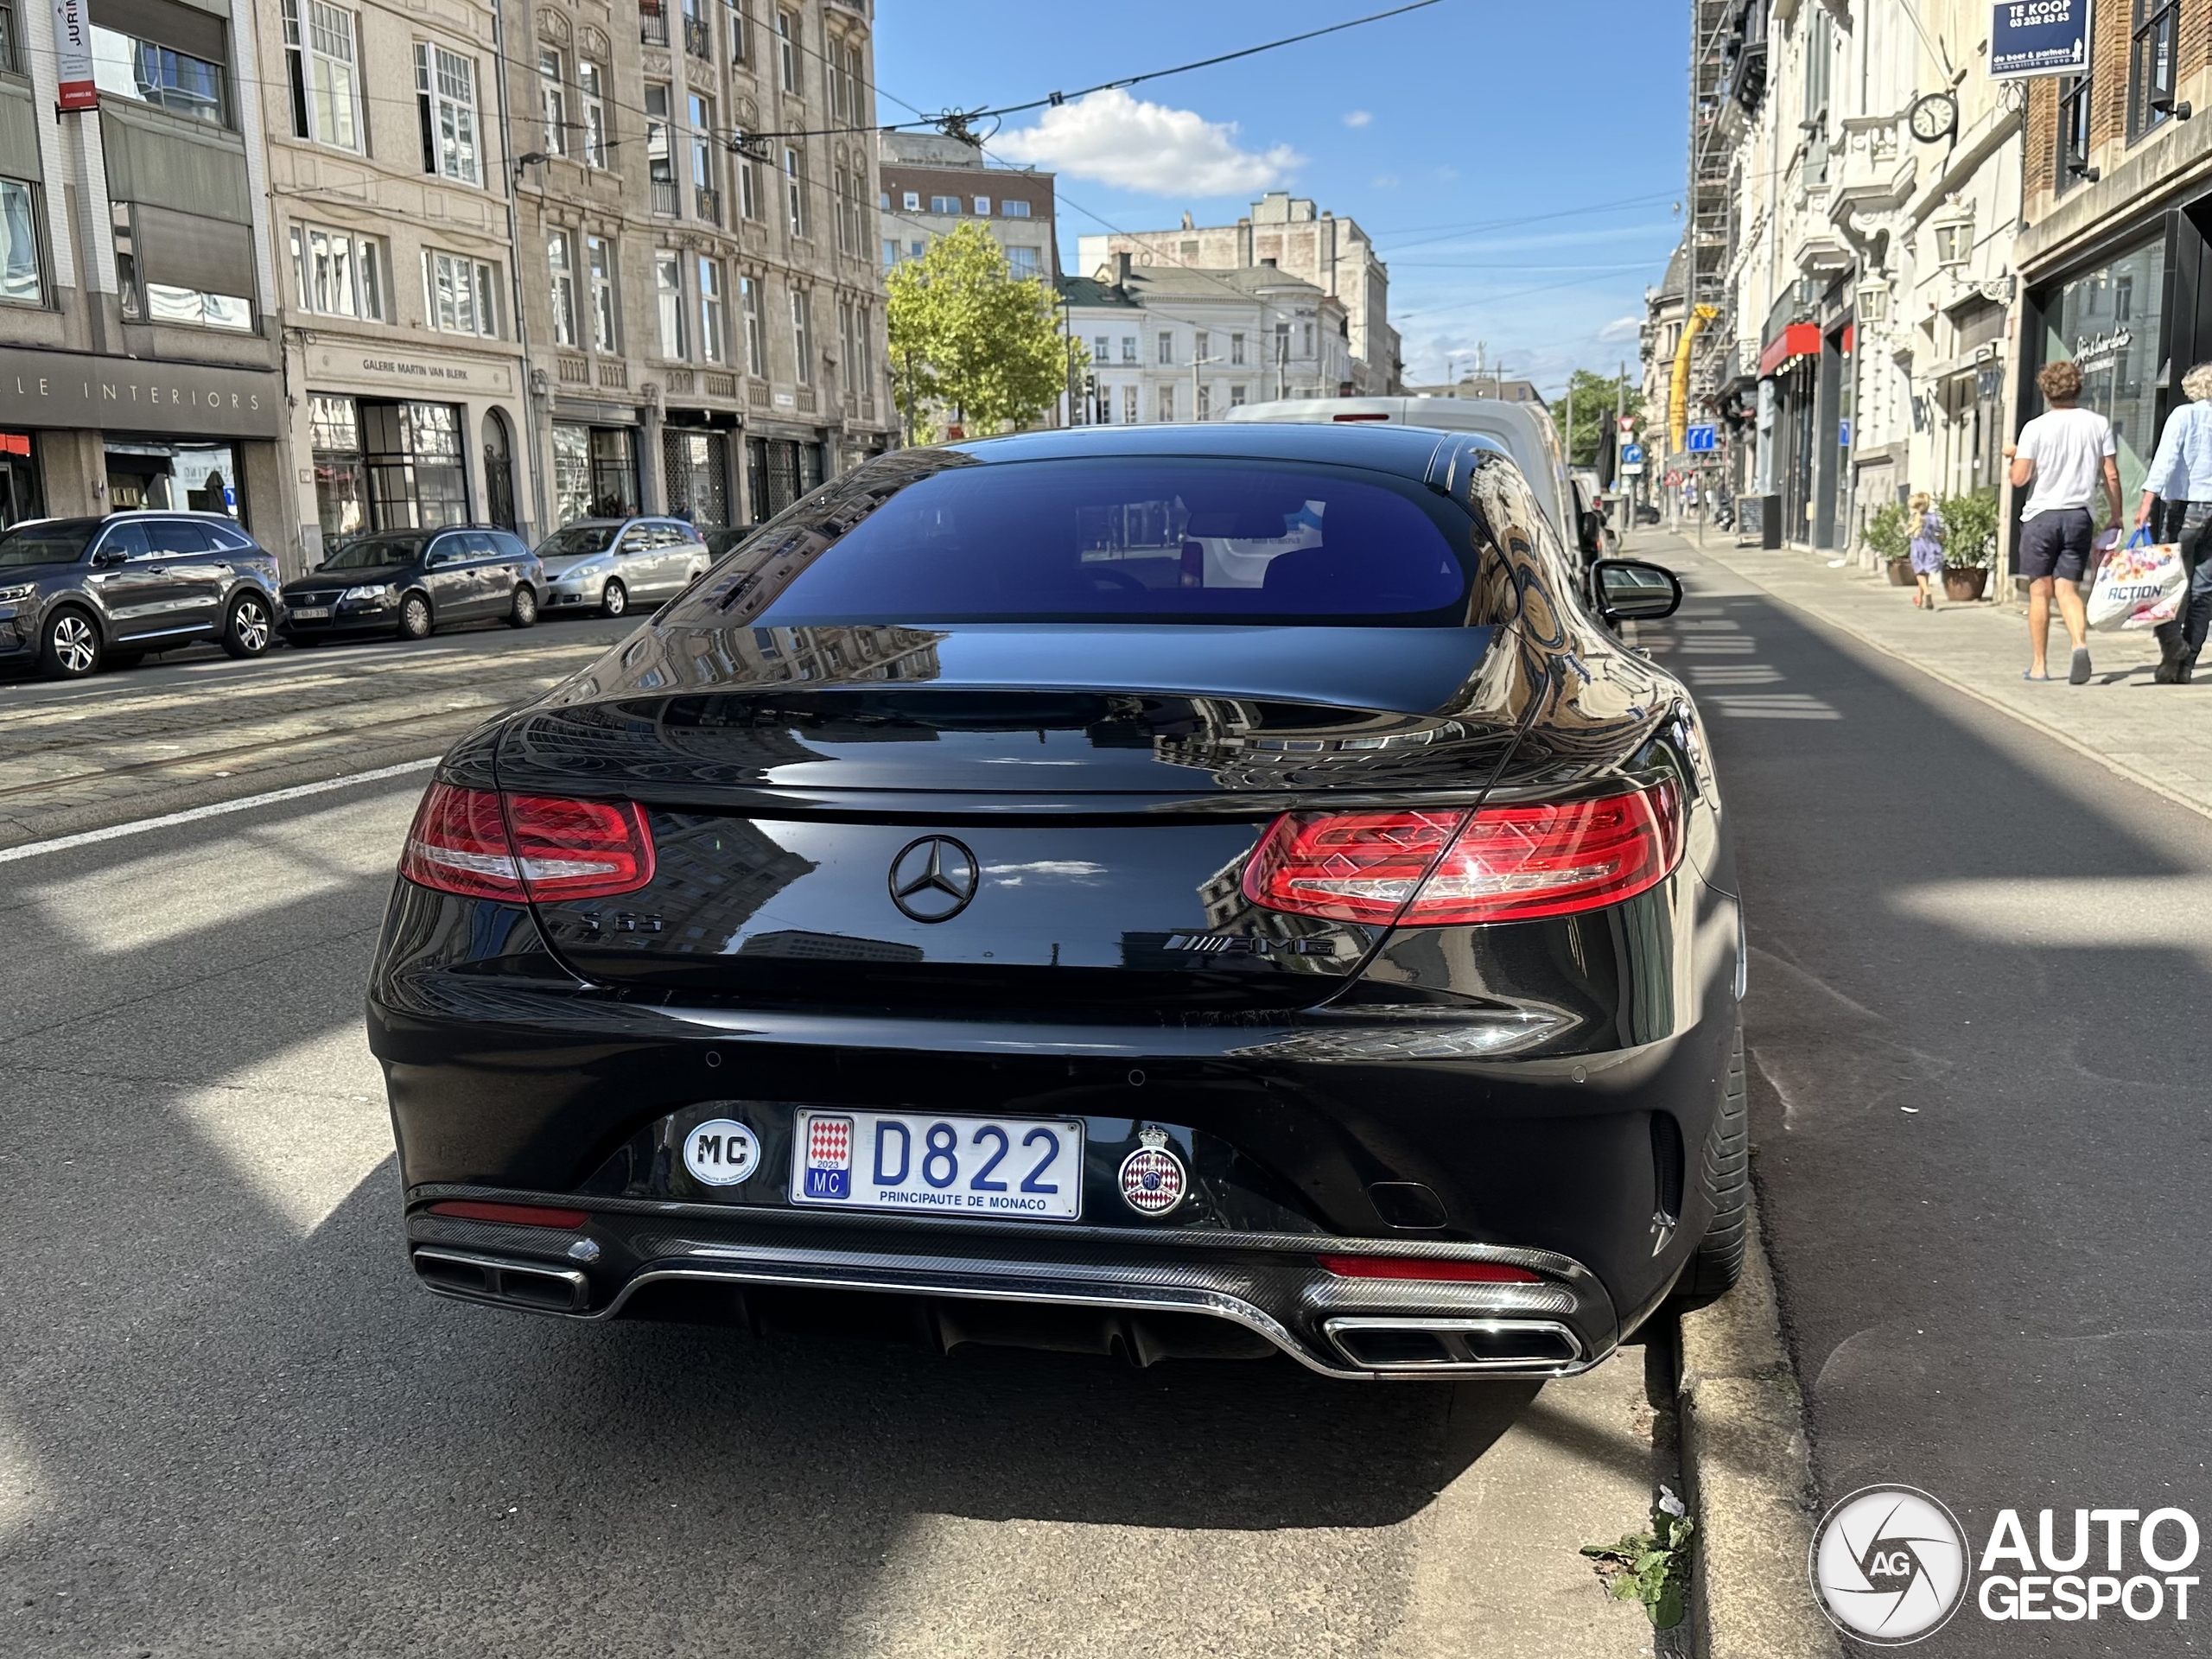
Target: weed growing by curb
1652	1567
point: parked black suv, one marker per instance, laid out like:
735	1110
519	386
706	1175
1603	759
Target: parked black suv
79	592
411	582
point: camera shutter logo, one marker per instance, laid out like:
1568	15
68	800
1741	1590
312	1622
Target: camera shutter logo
1888	1564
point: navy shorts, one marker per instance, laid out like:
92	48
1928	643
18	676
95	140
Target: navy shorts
2056	544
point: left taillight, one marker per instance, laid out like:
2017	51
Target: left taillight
480	844
1507	863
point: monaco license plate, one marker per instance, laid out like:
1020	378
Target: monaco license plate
312	612
931	1163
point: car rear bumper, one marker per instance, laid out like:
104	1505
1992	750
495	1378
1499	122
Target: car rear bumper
1228	1295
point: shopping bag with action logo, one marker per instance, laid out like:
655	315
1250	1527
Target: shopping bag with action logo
2138	585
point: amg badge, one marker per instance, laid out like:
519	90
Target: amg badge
1152	1177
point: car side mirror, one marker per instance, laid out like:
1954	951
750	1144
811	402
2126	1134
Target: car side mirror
109	557
1633	590
1593	526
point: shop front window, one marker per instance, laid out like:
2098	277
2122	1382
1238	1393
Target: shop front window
697	465
416	474
341	476
2110	322
778	472
20	496
594	472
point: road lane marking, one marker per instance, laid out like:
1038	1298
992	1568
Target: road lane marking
243	803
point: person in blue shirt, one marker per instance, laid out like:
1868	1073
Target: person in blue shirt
2182	473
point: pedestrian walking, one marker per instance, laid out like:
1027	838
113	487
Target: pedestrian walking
2065	452
1927	548
2181	473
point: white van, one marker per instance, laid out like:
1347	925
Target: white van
1525	429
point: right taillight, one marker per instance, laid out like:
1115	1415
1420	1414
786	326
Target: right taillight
1505	864
481	845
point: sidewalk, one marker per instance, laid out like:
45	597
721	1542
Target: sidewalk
2160	735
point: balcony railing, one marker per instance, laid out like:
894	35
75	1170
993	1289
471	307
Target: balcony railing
653	24
665	197
698	39
708	201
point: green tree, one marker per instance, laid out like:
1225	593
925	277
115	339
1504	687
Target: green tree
969	339
1597	401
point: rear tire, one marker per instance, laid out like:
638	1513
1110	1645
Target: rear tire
416	621
249	628
614	600
69	645
1719	1261
522	612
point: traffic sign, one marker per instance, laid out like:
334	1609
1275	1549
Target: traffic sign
1673	479
1632	469
1631	455
1628	425
1700	440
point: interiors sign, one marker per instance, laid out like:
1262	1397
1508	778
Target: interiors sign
72	54
114	394
2028	38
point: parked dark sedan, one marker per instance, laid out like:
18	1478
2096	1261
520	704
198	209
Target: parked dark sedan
412	582
1172	891
76	593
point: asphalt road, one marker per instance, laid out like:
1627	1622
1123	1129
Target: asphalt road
231	1422
1981	967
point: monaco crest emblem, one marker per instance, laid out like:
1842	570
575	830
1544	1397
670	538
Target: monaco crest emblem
1152	1177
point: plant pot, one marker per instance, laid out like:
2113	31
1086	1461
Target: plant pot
1962	583
1901	571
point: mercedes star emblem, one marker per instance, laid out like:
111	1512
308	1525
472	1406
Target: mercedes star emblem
933	879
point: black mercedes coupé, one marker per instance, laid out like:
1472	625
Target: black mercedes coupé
1173	891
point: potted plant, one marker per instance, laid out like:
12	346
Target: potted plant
1888	532
1969	543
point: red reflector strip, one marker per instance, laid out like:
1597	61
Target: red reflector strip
1507	863
522	1215
483	845
1414	1266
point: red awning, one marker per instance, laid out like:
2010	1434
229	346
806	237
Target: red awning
1796	340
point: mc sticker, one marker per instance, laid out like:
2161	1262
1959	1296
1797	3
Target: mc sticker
722	1151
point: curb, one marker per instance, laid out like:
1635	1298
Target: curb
1750	1481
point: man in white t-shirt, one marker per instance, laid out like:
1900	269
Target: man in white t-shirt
2065	452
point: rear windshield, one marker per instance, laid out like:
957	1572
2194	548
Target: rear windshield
1143	539
58	541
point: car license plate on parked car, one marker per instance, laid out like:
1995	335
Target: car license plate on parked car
311	613
932	1163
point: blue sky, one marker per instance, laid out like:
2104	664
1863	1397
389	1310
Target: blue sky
1517	162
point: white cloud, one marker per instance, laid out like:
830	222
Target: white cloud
1357	117
1621	329
1384	182
1133	145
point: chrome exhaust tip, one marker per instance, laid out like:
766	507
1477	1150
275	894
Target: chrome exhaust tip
1403	1345
531	1284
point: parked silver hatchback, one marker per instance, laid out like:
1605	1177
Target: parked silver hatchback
606	564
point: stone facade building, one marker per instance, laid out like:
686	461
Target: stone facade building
1287	234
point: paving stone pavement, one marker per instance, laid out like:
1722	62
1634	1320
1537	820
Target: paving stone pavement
197	727
2160	735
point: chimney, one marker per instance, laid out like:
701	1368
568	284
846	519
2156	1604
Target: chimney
1122	269
1269	263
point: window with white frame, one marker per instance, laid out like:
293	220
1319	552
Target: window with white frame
945	205
1166	347
911	201
1129	348
706	201
756	338
1308	351
890	252
861	364
1167	401
1205	403
458	294
591	92
1128	405
714	346
795	189
741	31
1101	349
982	207
1236	397
1013	209
748	186
599	256
22	273
668	294
553	101
1236	349
1022	262
322	57
560	263
787	50
445	96
846	81
338	273
1953	242
802	334
1200	342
